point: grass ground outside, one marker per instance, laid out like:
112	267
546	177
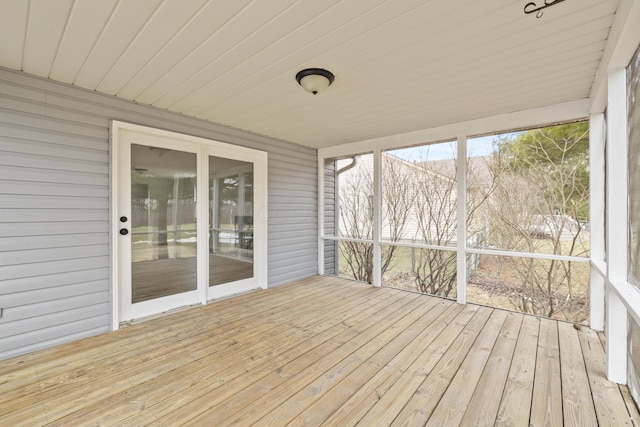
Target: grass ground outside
558	290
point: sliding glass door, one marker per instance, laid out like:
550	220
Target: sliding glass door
186	229
231	219
236	188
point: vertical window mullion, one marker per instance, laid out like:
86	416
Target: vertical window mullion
617	225
377	218
461	182
321	231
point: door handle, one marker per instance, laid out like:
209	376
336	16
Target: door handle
124	231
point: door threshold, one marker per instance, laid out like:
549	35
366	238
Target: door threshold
157	315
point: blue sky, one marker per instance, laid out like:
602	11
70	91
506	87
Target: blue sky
480	146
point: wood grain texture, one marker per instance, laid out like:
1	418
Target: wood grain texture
483	408
609	409
577	405
518	391
321	351
546	407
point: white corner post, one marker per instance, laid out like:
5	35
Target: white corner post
461	182
320	215
377	218
113	253
597	135
617	225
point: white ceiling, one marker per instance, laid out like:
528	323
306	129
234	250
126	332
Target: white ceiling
400	65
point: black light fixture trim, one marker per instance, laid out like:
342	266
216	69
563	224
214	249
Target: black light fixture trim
315	72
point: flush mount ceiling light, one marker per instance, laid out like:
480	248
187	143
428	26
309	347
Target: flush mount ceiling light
315	80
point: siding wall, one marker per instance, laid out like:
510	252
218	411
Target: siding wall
54	207
329	199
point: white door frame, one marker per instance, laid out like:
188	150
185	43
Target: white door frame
120	245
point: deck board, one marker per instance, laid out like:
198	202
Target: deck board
431	388
518	392
166	391
413	363
609	409
546	407
322	351
162	347
313	367
453	404
577	402
372	342
483	407
370	377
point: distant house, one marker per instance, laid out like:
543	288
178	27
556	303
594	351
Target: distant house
424	194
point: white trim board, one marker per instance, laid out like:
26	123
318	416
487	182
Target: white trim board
564	112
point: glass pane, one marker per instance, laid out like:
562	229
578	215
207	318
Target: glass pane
633	352
350	183
355	261
231	220
529	191
163	222
419	194
556	289
633	108
429	271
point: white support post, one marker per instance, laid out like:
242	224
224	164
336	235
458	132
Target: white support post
461	182
616	332
617	225
336	220
377	218
597	135
321	215
597	301
114	191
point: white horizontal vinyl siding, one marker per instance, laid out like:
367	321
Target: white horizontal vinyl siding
55	199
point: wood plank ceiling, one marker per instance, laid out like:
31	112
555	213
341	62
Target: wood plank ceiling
400	65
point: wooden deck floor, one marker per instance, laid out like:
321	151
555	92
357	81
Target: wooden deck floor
323	351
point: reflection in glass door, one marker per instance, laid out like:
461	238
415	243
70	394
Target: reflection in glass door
231	215
163	222
190	221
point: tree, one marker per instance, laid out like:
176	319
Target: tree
419	204
531	195
561	155
355	209
354	184
435	270
540	205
